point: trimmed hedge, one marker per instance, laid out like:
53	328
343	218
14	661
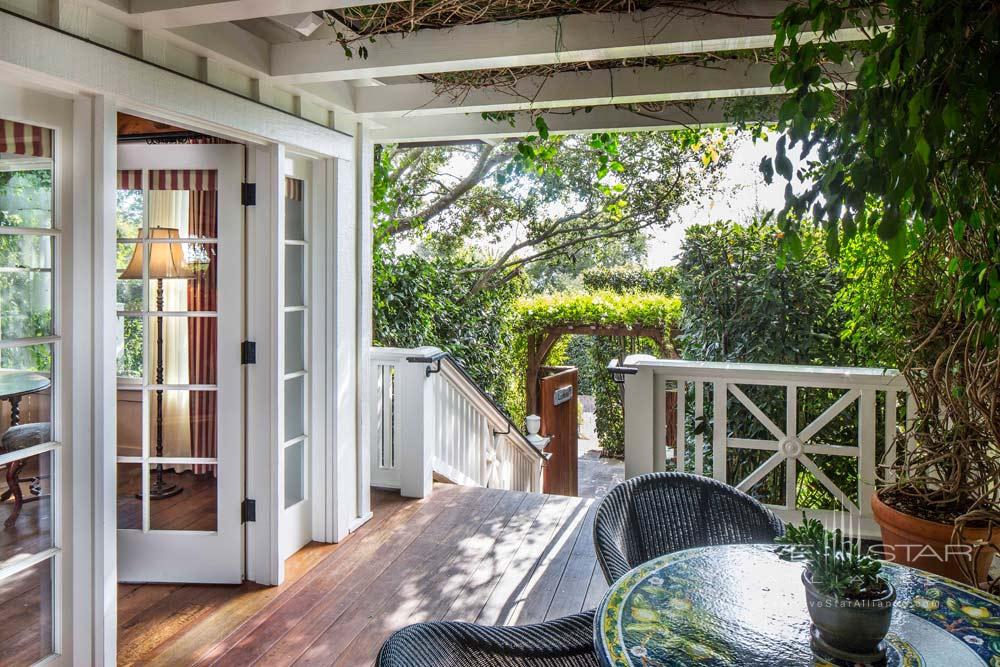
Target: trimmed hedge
604	308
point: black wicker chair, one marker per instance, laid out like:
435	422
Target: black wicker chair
653	515
565	642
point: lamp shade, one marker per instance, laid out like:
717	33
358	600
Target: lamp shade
166	260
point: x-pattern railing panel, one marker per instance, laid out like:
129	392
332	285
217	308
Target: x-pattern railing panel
647	380
791	447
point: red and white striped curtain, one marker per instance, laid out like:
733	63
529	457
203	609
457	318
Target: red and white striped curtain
202	333
130	179
24	139
195	180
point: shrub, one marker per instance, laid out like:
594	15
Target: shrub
420	301
662	280
740	304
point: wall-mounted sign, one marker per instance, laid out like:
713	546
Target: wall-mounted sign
562	394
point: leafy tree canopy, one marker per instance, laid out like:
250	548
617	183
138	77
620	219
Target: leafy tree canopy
912	154
572	199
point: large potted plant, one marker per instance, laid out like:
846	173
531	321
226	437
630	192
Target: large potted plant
849	602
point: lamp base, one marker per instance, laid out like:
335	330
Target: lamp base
159	491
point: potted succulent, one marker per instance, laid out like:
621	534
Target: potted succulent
849	601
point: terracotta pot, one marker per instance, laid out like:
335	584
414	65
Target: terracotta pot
927	545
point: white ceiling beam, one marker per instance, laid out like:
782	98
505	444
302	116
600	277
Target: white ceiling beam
743	24
179	13
472	127
733	78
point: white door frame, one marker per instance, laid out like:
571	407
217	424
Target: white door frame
90	639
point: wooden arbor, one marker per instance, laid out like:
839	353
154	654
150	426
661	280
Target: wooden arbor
542	341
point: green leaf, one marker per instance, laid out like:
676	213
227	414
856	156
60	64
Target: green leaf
783	166
543	128
778	72
894	66
923	150
952	117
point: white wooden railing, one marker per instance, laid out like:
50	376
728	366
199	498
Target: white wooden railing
430	420
648	380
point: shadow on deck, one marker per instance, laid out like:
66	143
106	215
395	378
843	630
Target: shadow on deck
471	554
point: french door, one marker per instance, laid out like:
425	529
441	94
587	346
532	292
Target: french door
179	399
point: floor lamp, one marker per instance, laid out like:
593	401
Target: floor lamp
166	262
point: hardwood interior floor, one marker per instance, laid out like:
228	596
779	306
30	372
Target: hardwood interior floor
194	508
482	555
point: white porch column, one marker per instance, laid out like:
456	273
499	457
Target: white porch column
264	281
639	427
97	610
416	406
342	327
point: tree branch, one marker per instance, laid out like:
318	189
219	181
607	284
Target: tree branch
484	164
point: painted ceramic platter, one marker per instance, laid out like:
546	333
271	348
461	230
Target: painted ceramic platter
742	605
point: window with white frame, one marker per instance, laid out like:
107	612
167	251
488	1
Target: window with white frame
29	345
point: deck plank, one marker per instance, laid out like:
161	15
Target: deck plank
512	588
548	570
462	554
570	593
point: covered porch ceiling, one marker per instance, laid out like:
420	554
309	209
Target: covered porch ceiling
420	72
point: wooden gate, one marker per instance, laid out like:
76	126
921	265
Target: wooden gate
558	407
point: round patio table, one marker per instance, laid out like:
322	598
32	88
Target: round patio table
742	605
16	384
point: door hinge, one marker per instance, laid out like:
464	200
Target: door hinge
248	510
248	352
248	194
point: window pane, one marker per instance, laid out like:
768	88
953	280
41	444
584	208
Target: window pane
26	389
295	275
188	422
182	276
27	513
25	191
294	210
189	352
26	633
128	291
194	508
193	213
128	347
129	213
25	286
295	338
129	419
129	490
295	407
295	473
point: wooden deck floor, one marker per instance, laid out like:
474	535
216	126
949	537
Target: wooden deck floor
465	553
